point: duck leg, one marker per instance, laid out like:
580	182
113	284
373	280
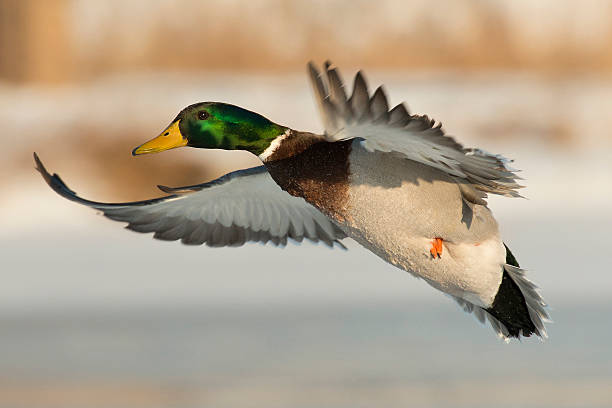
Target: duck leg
436	248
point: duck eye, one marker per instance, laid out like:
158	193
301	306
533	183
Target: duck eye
203	115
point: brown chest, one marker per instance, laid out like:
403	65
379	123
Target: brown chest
319	174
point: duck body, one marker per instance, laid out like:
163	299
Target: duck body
412	208
395	208
392	181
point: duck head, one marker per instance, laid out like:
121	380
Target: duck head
215	125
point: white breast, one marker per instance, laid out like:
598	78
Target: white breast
397	207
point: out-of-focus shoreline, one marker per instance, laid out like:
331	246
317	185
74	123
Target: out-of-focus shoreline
87	132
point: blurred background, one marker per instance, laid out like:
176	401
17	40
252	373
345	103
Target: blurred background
95	316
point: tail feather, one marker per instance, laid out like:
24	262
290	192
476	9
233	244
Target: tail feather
536	306
518	309
510	308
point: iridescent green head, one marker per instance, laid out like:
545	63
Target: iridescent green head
215	125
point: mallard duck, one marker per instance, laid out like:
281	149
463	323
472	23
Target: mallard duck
392	181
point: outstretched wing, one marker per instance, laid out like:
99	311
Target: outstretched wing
419	138
242	206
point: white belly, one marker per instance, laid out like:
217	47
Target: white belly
397	207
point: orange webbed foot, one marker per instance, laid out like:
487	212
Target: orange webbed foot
436	248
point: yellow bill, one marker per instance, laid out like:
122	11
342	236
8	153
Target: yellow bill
170	138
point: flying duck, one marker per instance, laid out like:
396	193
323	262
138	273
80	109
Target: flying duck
392	181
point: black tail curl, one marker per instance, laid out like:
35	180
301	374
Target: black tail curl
509	306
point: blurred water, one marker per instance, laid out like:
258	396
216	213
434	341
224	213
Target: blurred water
102	317
316	355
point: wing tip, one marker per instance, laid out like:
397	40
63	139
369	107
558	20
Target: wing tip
36	159
164	189
312	66
40	167
53	180
360	78
312	69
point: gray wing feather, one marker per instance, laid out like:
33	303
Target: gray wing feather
242	206
399	116
322	98
360	99
336	85
379	108
418	138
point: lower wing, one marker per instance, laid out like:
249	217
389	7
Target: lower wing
239	207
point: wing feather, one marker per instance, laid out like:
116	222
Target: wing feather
415	137
360	99
399	116
242	206
379	108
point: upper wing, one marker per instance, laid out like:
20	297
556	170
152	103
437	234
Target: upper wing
245	205
418	138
